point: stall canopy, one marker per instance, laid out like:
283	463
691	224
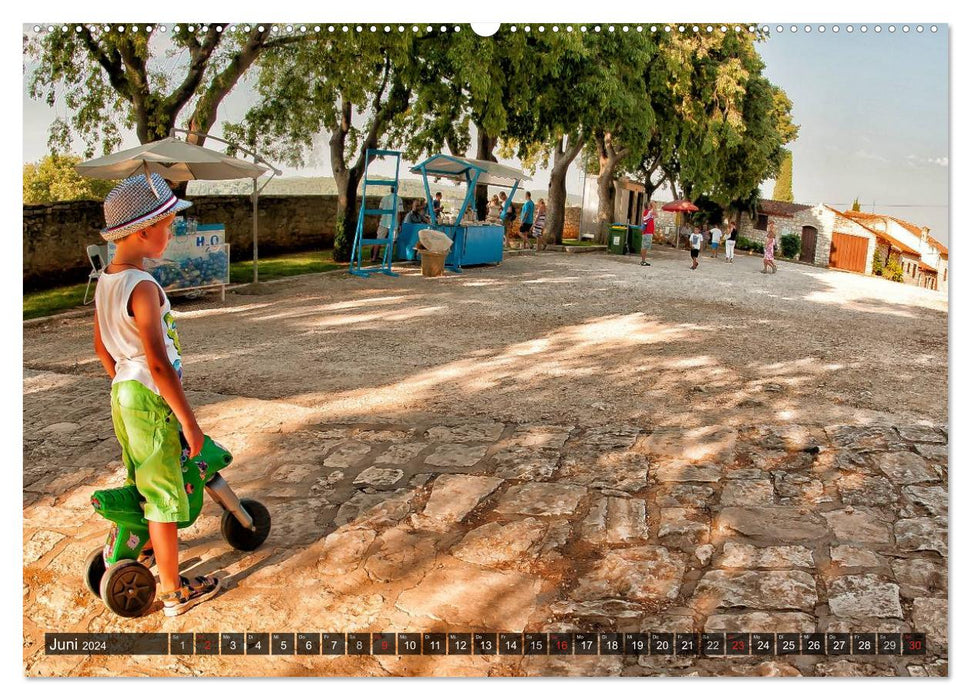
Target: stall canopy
178	161
471	171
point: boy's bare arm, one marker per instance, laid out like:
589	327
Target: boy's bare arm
107	361
148	320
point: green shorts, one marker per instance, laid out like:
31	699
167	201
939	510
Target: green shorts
151	450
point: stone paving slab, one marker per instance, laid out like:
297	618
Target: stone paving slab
434	525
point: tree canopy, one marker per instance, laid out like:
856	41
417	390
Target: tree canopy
133	76
691	108
54	179
783	183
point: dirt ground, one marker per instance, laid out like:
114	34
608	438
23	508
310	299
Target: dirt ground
590	362
585	338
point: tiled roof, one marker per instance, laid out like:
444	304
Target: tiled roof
927	268
916	230
941	248
913	228
774	207
850	218
895	243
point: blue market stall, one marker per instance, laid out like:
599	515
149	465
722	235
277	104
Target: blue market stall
473	242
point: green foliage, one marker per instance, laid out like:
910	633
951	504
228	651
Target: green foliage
121	78
790	244
54	179
783	183
749	244
734	122
856	204
893	270
877	262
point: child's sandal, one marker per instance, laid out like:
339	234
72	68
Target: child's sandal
188	594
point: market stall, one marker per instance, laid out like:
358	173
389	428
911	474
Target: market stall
196	258
178	161
474	242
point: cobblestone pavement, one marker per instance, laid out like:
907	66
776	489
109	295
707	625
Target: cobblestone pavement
489	526
536	519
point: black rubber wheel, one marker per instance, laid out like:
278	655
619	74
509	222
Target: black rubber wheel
94	571
128	588
240	537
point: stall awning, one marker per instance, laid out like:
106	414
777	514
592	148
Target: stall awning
461	169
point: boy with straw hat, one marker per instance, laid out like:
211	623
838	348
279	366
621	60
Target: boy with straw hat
136	340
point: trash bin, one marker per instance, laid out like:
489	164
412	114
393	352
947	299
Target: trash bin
432	264
433	247
635	236
617	238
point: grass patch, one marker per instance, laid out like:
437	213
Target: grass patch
286	265
51	301
577	242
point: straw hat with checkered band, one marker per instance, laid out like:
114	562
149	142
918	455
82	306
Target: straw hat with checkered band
137	203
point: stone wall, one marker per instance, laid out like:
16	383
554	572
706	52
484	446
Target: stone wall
56	236
819	217
571	222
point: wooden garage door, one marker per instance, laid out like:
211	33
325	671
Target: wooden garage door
848	252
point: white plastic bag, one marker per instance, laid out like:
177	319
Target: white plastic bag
434	241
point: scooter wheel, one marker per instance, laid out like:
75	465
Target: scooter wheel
242	538
94	571
128	588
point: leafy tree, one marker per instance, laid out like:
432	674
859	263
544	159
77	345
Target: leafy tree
856	204
783	183
878	261
893	270
626	119
351	86
734	122
122	76
54	179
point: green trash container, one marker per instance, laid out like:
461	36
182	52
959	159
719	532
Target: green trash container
617	239
635	235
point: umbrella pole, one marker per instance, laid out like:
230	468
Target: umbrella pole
255	197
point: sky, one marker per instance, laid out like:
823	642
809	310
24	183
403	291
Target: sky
872	109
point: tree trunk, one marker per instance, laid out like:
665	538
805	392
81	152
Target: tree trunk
484	146
346	214
556	207
606	190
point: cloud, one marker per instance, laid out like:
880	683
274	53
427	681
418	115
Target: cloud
920	160
866	155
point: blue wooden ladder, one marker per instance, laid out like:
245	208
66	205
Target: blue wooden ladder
357	252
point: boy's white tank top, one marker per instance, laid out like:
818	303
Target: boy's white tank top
120	334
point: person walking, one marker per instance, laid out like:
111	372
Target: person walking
695	241
526	217
539	225
768	257
647	235
730	243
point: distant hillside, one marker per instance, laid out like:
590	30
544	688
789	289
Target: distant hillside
410	187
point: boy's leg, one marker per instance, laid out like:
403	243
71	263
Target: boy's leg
165	539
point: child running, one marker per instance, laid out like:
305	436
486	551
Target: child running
136	340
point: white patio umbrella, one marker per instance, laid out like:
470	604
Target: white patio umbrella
178	161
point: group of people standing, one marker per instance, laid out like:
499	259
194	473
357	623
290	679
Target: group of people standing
715	237
532	220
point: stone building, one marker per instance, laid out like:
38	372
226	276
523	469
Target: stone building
930	270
